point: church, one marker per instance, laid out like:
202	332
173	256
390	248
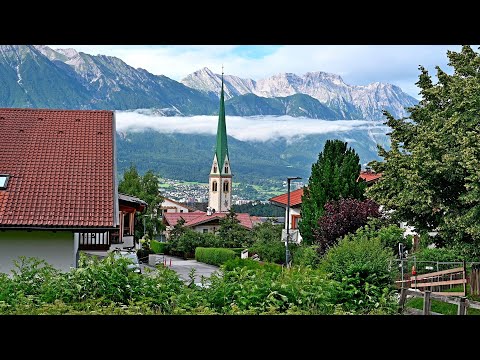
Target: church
219	189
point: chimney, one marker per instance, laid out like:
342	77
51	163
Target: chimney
209	211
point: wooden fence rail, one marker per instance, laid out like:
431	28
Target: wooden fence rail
462	302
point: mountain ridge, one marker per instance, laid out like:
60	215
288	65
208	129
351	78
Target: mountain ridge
42	77
350	101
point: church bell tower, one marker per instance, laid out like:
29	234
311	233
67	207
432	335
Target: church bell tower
220	179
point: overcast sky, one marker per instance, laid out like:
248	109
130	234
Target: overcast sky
357	64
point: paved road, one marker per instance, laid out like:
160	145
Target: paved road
183	268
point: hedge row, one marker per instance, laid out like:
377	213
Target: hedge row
158	247
214	256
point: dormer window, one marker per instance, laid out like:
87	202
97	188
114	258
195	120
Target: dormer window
4	181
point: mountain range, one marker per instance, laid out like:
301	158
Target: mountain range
329	90
39	76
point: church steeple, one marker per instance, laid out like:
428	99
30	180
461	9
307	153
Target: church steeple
220	179
221	149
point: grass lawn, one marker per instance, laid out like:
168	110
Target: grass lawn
445	308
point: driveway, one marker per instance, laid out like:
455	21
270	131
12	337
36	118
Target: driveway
183	267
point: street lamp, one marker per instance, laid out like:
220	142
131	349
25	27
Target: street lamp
287	252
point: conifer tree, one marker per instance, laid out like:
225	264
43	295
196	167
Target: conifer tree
333	176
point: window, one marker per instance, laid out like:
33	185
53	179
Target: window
225	186
226	169
205	231
4	181
181	210
295	221
214	168
214	186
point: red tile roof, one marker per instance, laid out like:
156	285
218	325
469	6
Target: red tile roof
369	176
61	167
295	198
200	217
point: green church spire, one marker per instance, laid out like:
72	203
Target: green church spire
221	149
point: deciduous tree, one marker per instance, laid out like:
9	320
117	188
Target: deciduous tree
430	176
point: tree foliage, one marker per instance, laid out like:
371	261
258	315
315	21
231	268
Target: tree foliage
342	217
268	244
430	176
231	233
333	176
145	188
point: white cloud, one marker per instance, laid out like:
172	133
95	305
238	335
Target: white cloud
258	128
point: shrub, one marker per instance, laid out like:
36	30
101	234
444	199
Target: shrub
438	254
250	264
363	266
189	240
237	251
142	254
158	247
245	290
231	233
343	217
214	256
268	244
272	250
306	255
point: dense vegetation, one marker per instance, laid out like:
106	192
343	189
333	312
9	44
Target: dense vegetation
342	217
333	176
430	175
145	188
107	287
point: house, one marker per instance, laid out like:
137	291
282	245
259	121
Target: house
204	222
296	203
58	185
219	190
172	206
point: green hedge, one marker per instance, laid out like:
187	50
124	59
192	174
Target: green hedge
158	247
214	256
237	251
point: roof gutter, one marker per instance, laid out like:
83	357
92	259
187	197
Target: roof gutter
58	228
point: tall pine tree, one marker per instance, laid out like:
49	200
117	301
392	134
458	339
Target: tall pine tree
333	176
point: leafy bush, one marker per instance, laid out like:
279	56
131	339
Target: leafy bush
186	243
261	291
267	243
232	234
214	256
250	264
142	254
238	251
306	255
438	254
270	250
362	265
158	247
343	217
